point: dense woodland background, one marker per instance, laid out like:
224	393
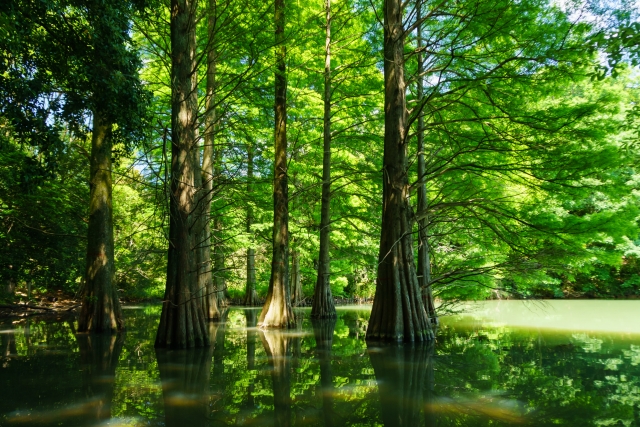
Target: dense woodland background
530	120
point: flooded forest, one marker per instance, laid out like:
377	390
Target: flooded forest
340	212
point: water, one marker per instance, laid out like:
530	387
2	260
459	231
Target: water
573	363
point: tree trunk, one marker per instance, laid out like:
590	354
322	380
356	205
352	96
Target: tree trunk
101	311
182	323
398	313
250	295
209	299
296	285
323	333
218	249
424	262
323	305
277	346
277	312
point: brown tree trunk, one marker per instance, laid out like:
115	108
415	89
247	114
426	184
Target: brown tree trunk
296	284
323	305
424	262
101	311
277	312
182	323
323	333
250	295
218	248
206	286
398	313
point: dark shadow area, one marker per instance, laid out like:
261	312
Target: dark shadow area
323	333
402	374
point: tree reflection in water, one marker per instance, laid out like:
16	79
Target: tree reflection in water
277	344
402	374
185	376
99	355
323	333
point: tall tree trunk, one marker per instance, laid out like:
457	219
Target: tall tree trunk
424	262
218	248
101	311
182	323
209	299
277	312
250	295
323	305
296	284
398	313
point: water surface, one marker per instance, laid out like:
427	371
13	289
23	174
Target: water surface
573	363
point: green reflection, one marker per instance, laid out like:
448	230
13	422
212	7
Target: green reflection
482	371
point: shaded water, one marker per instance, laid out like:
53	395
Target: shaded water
573	363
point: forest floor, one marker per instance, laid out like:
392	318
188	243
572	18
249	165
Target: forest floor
53	303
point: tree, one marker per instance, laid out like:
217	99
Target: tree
323	306
277	311
182	323
398	313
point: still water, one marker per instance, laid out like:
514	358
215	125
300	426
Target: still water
574	363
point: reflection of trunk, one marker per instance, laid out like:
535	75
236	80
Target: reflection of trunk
185	385
401	373
277	311
182	322
250	295
252	335
424	263
398	313
323	305
296	285
323	332
276	344
100	310
99	355
216	405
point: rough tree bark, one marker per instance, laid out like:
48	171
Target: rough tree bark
277	312
209	301
424	262
296	284
182	323
323	305
398	313
250	295
101	311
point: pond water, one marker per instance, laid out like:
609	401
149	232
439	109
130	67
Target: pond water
574	363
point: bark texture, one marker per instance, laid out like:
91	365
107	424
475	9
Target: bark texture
101	311
182	323
250	295
277	312
323	305
424	261
398	313
296	283
206	286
